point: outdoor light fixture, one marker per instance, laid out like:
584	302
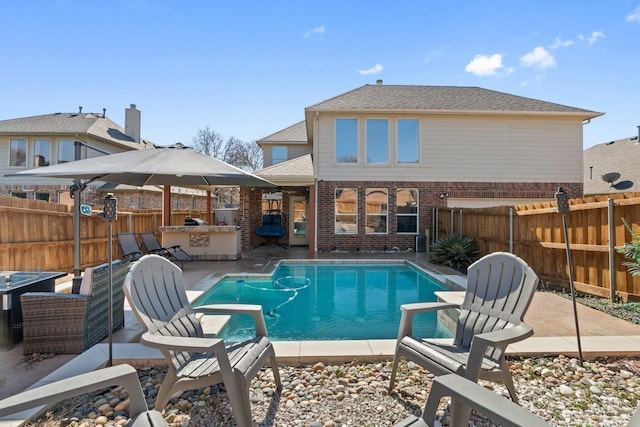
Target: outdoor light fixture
110	213
562	204
443	195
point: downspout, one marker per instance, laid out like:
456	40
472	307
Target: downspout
315	193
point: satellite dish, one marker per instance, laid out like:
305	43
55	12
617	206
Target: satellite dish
623	185
611	177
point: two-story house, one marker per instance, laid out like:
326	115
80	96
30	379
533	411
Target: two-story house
49	139
373	164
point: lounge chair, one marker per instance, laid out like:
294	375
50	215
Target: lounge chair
499	410
176	253
129	246
155	290
71	323
500	287
46	395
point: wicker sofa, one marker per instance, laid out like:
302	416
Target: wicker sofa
71	323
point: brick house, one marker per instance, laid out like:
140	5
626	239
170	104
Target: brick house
366	169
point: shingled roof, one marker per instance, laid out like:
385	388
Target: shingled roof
296	133
298	171
93	124
615	157
453	99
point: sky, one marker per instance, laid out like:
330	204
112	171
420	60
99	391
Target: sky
247	69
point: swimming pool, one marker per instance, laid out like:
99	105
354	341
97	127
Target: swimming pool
330	301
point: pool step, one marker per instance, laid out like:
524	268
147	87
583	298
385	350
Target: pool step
449	317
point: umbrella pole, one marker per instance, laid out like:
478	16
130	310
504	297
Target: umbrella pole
110	213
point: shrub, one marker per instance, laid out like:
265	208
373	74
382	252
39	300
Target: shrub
631	251
456	251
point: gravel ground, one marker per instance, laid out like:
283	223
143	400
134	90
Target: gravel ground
601	393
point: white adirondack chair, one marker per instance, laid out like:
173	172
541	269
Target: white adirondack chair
155	290
47	395
500	287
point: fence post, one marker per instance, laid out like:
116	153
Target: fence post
511	230
436	225
461	221
612	248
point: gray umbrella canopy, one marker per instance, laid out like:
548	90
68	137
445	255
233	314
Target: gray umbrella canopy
174	165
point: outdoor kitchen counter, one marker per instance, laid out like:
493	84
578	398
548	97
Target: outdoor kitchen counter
204	242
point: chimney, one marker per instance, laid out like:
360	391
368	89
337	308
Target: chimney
379	82
132	122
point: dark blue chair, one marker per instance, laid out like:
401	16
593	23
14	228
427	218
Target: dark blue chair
272	227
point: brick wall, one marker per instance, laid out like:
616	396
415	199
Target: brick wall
429	197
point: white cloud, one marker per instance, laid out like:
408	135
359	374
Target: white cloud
561	43
317	30
634	16
373	70
538	58
593	38
484	65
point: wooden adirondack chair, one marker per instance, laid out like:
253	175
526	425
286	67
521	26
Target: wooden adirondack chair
500	287
155	290
123	375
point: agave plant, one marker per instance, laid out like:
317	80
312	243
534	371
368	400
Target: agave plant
631	251
456	251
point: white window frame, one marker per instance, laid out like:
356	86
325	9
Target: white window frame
368	215
353	214
416	215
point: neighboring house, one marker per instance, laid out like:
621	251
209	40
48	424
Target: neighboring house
384	157
612	167
50	139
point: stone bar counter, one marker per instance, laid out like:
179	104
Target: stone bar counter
204	242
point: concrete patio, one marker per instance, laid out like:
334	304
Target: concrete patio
550	315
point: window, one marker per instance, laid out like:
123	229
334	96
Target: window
41	152
346	208
278	155
408	141
66	151
18	152
41	196
407	210
377	201
346	141
19	194
377	141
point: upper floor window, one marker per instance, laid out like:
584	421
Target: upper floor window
408	141
346	140
278	154
377	141
18	152
407	210
66	151
377	202
41	152
346	211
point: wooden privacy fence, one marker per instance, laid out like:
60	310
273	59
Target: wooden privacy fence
535	233
36	234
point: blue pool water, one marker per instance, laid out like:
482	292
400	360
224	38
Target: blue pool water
305	302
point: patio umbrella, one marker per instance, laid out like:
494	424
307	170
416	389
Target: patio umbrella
176	165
